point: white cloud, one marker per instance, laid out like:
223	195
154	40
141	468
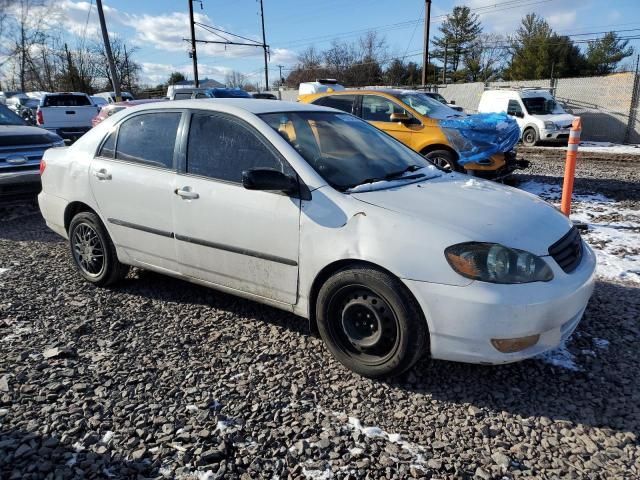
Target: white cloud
283	56
562	20
154	73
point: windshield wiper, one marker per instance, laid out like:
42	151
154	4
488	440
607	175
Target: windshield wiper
390	176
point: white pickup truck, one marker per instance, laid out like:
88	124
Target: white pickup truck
67	114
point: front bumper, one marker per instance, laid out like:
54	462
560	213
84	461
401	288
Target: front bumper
21	181
463	320
554	135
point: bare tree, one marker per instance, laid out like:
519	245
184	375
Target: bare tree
235	79
126	68
484	59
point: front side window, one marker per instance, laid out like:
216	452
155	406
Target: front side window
222	148
514	107
344	150
379	109
339	102
149	139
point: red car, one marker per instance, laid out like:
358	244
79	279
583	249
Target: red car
112	108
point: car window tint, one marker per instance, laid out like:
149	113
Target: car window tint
66	101
149	138
379	109
202	95
514	107
108	146
222	148
182	96
340	102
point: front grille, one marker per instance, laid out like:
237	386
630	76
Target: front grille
567	251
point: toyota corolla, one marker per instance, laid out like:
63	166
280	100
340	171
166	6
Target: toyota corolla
315	211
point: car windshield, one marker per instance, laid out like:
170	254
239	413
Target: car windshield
425	105
541	105
7	117
347	151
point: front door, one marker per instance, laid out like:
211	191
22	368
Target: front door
132	181
242	239
377	110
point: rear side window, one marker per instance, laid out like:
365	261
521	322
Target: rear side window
109	146
341	102
182	96
66	101
222	148
149	139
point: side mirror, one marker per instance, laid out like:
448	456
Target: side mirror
400	117
452	102
520	114
268	179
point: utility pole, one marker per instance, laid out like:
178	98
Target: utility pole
425	52
107	49
280	67
194	55
444	67
264	45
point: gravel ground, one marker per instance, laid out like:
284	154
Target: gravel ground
158	378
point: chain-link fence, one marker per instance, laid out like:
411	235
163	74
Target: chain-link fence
608	105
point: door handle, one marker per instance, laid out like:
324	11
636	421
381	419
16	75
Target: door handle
186	193
102	174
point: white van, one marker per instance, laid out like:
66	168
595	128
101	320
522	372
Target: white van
111	96
538	114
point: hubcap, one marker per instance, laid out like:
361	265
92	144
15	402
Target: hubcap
88	250
363	325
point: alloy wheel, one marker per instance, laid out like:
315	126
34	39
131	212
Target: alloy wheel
88	250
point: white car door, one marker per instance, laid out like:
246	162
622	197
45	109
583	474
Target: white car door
225	234
132	179
516	110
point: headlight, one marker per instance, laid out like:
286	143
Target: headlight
491	262
549	125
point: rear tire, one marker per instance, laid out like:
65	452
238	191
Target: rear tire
444	160
530	137
93	252
370	322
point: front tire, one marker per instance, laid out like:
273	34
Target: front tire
93	252
370	322
530	137
444	160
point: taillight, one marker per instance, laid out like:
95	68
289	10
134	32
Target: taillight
43	165
39	118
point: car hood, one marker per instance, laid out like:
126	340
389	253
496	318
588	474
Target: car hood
13	135
467	209
557	118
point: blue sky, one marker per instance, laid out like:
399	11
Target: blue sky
156	27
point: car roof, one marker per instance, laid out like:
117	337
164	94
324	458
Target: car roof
252	105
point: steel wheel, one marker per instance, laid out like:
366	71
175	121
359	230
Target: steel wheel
88	250
363	325
529	137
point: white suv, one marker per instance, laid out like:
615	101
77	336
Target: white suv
538	114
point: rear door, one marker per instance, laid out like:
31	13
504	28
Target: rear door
132	179
377	110
242	239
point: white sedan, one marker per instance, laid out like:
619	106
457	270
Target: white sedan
316	212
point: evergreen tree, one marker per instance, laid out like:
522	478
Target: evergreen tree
537	52
604	54
459	31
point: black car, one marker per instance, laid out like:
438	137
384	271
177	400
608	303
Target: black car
264	96
21	149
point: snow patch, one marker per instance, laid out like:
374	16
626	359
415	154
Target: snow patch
3	270
208	475
560	357
222	425
106	438
317	474
603	147
376	432
615	241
